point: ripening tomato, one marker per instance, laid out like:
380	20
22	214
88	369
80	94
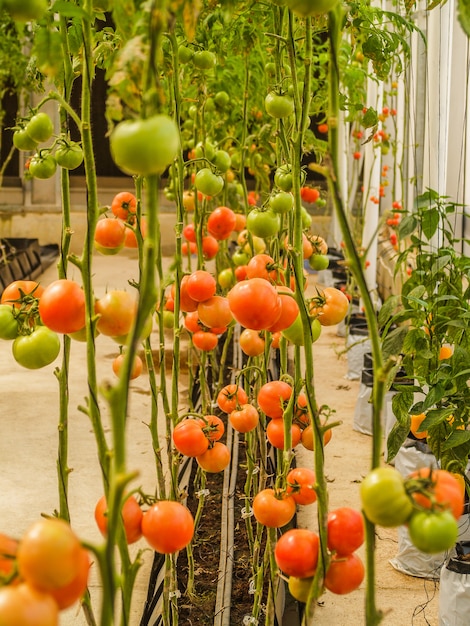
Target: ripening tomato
215	458
251	343
191	322
168	526
62	306
221	222
24	605
49	554
319	244
345	530
136	369
299	588
289	310
110	235
210	247
308	440
8	550
330	306
231	397
301	483
212	426
260	266
345	574
131	514
117	310
15	292
201	285
187	304
245	419
273	398
255	303
441	490
189	438
273	509
296	552
276	435
123	204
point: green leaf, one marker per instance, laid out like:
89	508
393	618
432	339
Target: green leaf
456	438
435	394
463	15
435	417
401	404
407	226
395	440
370	118
388	309
68	9
430	221
393	342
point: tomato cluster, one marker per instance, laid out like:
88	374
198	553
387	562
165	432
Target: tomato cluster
429	502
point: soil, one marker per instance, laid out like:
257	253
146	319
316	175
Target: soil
28	481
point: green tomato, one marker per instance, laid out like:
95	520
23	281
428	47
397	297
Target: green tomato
208	183
299	588
69	156
145	146
263	223
222	160
26	10
204	60
38	349
295	332
384	499
433	532
306	8
185	54
282	202
319	262
240	258
222	99
283	178
42	166
226	278
205	149
22	141
278	106
8	322
40	127
306	218
168	319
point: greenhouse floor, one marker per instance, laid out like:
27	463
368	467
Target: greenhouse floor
28	451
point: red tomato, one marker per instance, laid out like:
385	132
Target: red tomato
345	531
231	397
191	322
301	483
187	304
296	552
188	248
309	194
308	441
273	398
12	292
345	574
117	310
205	340
189	232
255	303
130	240
212	426
245	419
124	203
49	554
62	306
23	605
221	222
189	438
67	595
215	312
240	272
251	343
275	434
201	285
110	235
289	310
8	550
131	517
210	247
273	509
215	459
168	526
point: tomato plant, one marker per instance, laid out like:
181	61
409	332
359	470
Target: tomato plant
273	509
62	306
168	526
